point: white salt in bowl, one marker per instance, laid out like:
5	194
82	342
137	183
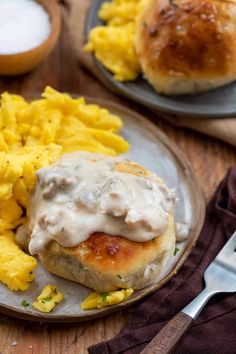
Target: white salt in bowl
20	63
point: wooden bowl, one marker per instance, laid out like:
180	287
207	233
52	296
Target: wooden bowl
20	63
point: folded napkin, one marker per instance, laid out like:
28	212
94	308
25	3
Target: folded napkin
214	332
224	129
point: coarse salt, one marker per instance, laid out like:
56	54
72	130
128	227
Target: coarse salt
24	24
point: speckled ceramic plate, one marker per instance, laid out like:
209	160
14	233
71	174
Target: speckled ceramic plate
216	103
150	147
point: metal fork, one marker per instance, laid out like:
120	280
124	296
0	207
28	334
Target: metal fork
220	277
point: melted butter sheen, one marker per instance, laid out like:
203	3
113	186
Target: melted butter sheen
83	193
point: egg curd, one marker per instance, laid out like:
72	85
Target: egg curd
113	43
15	266
49	298
99	300
34	135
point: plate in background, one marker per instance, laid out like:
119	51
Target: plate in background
216	103
150	147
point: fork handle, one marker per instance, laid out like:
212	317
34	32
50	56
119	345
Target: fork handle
168	338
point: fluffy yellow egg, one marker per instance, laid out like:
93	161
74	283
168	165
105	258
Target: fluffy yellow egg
113	43
113	48
15	266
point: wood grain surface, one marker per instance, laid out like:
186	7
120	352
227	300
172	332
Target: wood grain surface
210	160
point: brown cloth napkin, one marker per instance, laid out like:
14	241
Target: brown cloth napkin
224	129
214	332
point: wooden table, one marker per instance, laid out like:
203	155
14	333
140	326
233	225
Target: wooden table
210	160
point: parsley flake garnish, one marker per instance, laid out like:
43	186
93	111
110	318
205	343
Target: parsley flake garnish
47	299
24	303
104	296
176	251
119	276
54	290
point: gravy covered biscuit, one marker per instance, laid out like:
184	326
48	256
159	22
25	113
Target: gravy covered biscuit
104	222
187	46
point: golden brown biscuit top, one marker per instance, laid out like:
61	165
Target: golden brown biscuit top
108	253
184	36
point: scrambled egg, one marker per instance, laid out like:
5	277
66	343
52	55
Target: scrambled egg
113	44
96	300
15	266
34	135
48	299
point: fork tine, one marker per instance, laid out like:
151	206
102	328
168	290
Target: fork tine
227	256
229	247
